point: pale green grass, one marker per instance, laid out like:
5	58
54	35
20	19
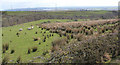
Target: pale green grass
22	43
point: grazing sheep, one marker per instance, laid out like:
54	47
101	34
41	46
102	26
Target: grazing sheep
20	29
29	28
32	27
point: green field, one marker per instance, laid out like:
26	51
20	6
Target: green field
66	13
24	41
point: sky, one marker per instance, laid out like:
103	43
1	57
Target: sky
13	4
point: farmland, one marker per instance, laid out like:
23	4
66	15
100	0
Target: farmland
56	37
12	18
25	41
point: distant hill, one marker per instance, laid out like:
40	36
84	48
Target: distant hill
65	8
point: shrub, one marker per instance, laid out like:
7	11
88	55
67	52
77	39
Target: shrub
63	33
71	35
79	37
55	48
44	53
44	31
17	33
41	28
36	39
12	51
68	37
36	32
19	60
47	36
86	33
91	31
68	30
40	31
44	40
60	35
5	46
5	60
89	28
10	29
34	49
44	37
75	20
25	33
75	31
4	50
29	50
52	34
39	43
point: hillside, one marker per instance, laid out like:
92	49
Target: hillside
60	37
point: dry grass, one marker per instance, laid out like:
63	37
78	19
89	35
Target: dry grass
19	60
5	60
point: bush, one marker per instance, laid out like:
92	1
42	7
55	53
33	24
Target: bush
52	34
5	60
44	40
44	53
17	33
75	20
36	39
12	51
68	37
79	37
36	32
47	36
34	49
44	31
71	35
5	46
60	35
4	50
19	60
29	50
39	43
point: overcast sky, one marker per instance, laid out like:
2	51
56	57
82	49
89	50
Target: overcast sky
12	4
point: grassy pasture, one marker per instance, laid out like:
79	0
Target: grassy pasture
24	41
84	13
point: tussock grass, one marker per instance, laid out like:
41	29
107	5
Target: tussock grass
5	60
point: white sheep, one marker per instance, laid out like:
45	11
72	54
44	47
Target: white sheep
29	28
20	29
32	27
